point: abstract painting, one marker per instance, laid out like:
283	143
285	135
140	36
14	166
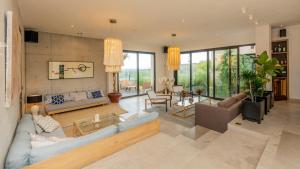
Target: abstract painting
71	70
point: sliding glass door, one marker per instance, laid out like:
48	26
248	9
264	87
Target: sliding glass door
246	62
184	71
199	71
221	73
217	71
146	72
129	75
138	73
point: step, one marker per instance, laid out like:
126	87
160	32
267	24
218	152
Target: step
157	151
288	152
232	150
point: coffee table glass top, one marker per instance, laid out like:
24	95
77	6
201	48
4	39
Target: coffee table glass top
187	102
89	125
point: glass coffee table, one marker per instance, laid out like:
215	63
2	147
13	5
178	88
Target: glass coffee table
185	108
89	125
86	126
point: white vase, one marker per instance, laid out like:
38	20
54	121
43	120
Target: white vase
35	109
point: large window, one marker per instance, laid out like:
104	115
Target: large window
247	58
217	71
138	73
184	71
199	69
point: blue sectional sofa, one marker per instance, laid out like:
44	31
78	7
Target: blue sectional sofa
21	153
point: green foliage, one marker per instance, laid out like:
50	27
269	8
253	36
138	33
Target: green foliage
254	83
267	67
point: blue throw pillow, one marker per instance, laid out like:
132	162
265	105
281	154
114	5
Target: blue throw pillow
58	99
96	94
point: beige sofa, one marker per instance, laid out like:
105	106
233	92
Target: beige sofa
71	103
216	117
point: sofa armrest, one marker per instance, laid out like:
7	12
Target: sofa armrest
211	117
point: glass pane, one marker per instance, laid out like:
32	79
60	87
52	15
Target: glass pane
199	71
146	72
184	71
128	75
247	58
222	73
234	72
211	75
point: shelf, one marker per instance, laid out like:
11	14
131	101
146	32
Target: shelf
278	53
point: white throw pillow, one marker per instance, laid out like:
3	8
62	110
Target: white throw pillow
47	123
40	141
79	96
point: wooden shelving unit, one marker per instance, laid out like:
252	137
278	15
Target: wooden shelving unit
280	82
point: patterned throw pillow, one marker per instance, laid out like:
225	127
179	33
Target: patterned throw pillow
96	94
58	99
47	123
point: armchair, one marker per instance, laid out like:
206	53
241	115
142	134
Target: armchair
153	98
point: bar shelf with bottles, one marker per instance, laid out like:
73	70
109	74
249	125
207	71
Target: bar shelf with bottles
280	82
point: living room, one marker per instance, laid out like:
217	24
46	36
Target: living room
98	84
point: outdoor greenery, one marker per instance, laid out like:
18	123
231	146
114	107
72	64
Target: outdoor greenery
199	73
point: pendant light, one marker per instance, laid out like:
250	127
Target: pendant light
173	61
113	61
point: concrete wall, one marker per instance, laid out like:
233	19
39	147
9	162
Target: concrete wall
54	47
293	36
8	116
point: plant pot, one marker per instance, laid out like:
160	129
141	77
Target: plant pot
253	110
267	99
114	97
271	93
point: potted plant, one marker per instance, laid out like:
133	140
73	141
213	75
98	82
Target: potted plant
266	68
253	107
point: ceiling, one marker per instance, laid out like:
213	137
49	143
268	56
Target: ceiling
152	21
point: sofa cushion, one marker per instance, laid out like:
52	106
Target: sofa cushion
26	124
227	102
89	93
43	153
47	123
19	152
58	99
240	96
59	132
138	121
74	104
96	94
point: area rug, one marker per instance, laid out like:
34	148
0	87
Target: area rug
187	121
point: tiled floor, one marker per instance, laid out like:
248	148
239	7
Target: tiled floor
168	126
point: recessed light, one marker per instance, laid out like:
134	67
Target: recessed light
72	26
182	20
251	17
256	23
244	10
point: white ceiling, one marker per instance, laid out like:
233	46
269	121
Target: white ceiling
152	21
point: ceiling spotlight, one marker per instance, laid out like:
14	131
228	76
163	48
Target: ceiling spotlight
256	23
72	26
182	20
244	10
251	17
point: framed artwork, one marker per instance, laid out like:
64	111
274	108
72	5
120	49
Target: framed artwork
13	53
71	70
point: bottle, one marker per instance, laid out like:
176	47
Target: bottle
283	49
279	48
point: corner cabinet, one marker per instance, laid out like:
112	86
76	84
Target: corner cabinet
280	82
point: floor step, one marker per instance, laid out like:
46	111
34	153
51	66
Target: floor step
231	150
